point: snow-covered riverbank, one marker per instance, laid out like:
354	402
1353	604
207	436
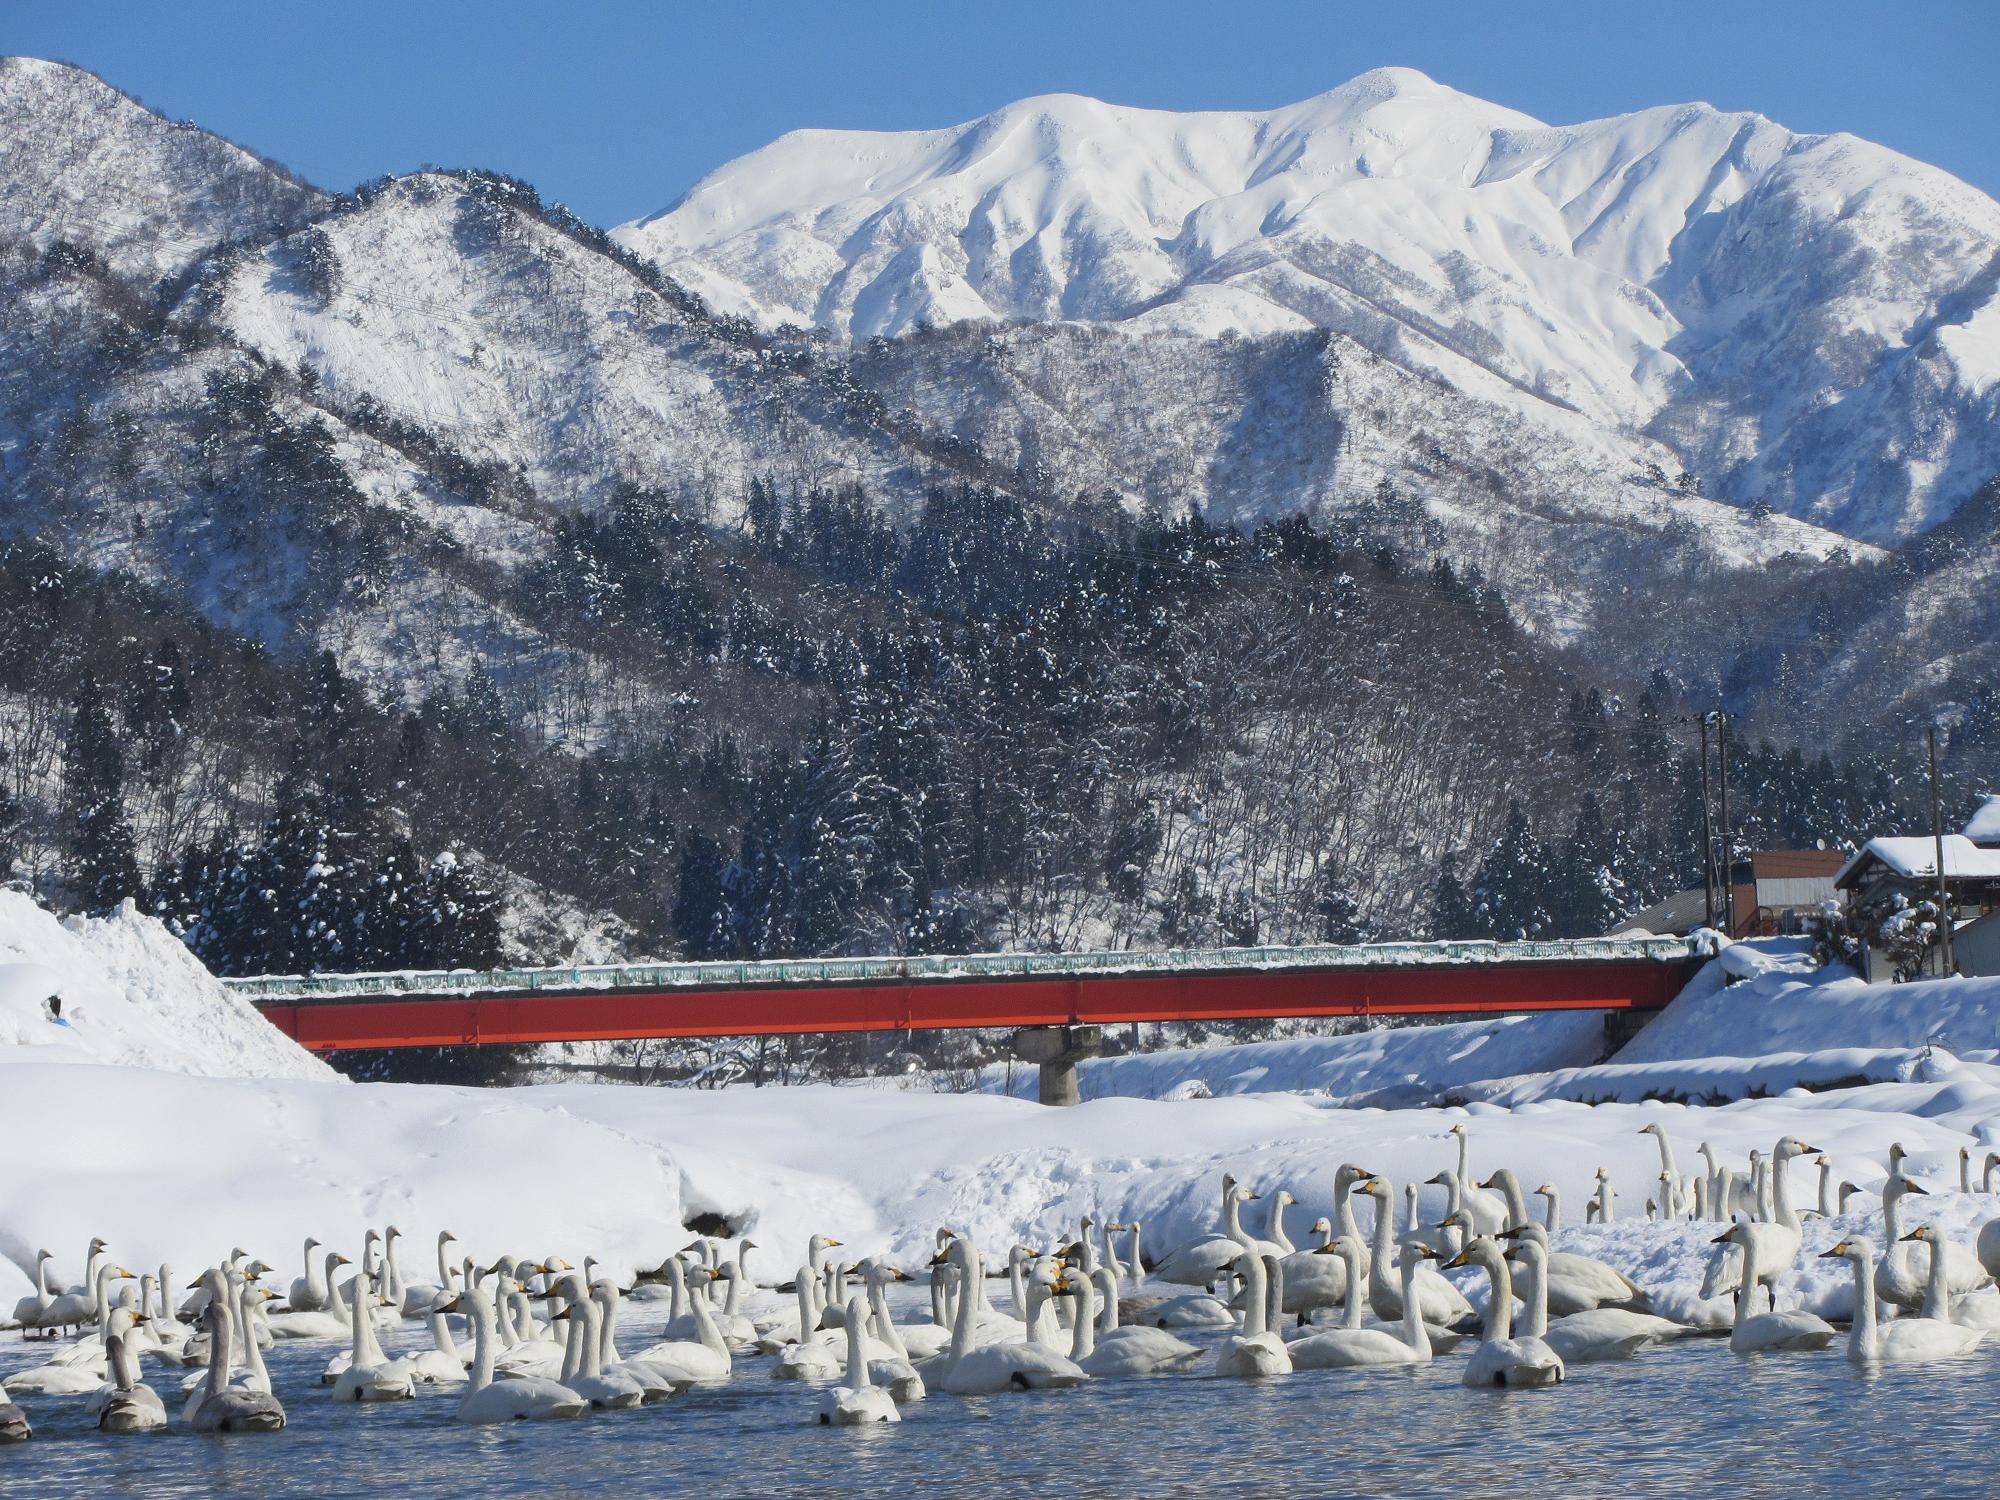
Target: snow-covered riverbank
116	1124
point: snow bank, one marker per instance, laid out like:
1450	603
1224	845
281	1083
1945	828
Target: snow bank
1383	1065
131	994
1782	1004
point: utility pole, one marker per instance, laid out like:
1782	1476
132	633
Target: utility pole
1728	852
1937	838
1707	834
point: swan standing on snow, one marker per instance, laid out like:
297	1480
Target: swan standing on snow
1902	1340
1488	1210
1501	1359
1672	1205
1355	1347
525	1398
993	1368
858	1401
1896	1279
1767	1332
1201	1261
1257	1350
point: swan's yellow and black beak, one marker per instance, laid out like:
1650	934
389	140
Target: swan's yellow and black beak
833	1244
940	1259
1836	1252
1249	1196
1727	1237
1424	1252
1457	1260
1367	1184
192	1286
451	1306
1916	1187
560	1316
896	1275
1916	1234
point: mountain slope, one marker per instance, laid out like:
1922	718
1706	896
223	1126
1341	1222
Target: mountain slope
1809	321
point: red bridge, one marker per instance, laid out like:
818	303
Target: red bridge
332	1012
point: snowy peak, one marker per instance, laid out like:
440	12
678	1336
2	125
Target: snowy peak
1808	321
85	163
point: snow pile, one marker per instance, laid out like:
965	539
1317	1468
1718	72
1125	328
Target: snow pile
131	994
1787	1006
1384	1065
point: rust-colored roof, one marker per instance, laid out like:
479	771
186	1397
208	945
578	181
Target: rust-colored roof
1797	864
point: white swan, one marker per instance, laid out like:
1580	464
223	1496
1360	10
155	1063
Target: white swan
1201	1261
891	1370
223	1407
1355	1347
442	1363
1501	1359
858	1401
525	1398
309	1292
127	1404
1440	1303
657	1383
30	1311
989	1369
1580	1283
702	1360
1488	1210
814	1355
583	1369
1767	1332
328	1320
1592	1335
1902	1340
1103	1349
1896	1278
1257	1350
369	1375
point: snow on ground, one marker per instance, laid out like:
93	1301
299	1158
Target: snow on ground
120	1131
131	993
1382	1065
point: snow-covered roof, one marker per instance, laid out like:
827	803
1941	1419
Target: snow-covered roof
1915	856
1984	825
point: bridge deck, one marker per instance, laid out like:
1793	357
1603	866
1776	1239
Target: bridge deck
330	1012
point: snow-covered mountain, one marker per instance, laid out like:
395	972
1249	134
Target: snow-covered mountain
1809	321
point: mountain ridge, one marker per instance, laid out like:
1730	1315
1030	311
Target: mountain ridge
1709	279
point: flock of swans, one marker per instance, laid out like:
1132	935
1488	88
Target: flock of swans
544	1333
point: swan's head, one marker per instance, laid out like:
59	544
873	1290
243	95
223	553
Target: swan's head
1653	1129
1546	1190
1284	1196
1849	1249
1728	1236
1372	1187
1321	1225
1458	1129
445	1237
1923	1232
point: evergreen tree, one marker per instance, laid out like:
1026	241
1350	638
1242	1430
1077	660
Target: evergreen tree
103	865
701	912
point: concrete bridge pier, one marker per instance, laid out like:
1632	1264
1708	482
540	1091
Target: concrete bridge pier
1056	1050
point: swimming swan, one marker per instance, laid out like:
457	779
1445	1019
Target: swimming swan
858	1401
1901	1340
224	1407
989	1369
1104	1350
525	1398
1501	1359
1767	1332
1257	1350
1354	1347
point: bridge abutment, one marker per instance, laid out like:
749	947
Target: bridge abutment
1056	1050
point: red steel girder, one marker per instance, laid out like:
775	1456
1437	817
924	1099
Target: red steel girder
343	1023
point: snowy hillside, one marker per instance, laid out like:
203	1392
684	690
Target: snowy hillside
1810	320
87	164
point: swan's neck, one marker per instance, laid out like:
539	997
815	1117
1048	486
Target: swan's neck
327	1295
1378	1266
444	1268
1017	1283
1256	1289
1746	1291
1826	1190
1517	1202
1083	1341
857	1359
1351	1314
1535	1311
1986	1175
1499	1311
441	1336
1892	1217
1964	1172
1107	1311
123	1364
484	1335
1464	1162
575	1334
315	1287
218	1343
1861	1340
704	1322
607	1338
1415	1334
1275	1233
878	1304
808	1314
1139	1266
1782	1211
357	1348
1937	1290
1604	1200
1343	1210
593	1336
1454	1195
42	1279
968	1304
1232	1218
1552	1216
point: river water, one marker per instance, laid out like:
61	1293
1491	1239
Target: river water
1687	1419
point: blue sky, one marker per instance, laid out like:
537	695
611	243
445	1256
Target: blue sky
615	106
